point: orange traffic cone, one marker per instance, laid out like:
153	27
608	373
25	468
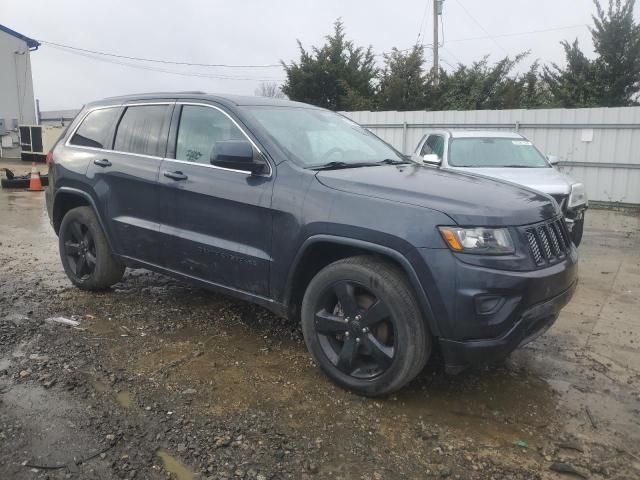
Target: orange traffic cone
35	184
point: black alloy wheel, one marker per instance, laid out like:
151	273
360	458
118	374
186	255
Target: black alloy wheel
80	249
363	327
355	330
86	256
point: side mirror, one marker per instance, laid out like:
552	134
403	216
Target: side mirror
553	159
236	155
431	159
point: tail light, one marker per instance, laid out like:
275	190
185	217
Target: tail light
50	158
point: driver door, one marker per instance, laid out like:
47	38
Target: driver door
218	221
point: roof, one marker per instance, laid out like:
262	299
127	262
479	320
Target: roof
31	43
235	100
484	134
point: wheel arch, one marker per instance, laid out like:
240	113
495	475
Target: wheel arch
67	198
320	250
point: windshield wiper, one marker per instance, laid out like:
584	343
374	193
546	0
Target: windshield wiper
338	165
391	161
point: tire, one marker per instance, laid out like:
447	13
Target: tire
577	231
80	235
377	297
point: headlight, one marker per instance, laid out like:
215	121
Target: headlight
578	195
488	241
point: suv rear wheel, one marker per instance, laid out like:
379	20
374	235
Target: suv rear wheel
363	327
85	253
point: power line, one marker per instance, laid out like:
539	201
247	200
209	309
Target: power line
512	34
126	57
422	22
449	52
516	34
480	25
160	70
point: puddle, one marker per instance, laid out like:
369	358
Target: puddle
124	399
99	386
173	465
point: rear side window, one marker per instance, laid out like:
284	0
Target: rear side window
143	130
94	129
200	128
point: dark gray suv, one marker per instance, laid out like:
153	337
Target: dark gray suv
304	212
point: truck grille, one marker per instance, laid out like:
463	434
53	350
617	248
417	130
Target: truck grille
549	242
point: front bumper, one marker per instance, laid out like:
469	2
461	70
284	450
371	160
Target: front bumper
484	313
532	323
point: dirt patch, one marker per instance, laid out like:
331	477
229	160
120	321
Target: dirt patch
161	379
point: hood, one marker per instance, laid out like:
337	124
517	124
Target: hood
469	200
547	180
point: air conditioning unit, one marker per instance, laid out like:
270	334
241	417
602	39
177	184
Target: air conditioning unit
36	141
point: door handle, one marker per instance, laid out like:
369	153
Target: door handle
102	163
175	175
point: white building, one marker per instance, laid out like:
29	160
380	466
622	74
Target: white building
17	105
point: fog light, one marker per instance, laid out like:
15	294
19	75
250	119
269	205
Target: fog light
488	304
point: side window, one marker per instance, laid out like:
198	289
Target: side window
434	144
94	129
199	129
143	130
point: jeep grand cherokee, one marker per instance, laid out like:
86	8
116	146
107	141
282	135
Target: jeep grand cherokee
306	213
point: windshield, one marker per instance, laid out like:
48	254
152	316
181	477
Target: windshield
494	152
318	137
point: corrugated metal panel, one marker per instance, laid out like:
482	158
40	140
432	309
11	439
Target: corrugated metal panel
609	165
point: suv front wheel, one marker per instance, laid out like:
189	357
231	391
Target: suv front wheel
363	327
85	253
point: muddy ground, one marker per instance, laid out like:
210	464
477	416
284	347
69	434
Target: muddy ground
163	380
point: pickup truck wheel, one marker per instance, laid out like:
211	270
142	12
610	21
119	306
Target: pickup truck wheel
85	253
363	327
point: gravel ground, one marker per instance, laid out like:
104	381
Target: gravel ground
162	380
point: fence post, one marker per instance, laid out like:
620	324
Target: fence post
404	137
517	125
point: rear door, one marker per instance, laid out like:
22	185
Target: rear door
126	179
218	221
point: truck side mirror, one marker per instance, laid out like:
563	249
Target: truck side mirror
431	159
236	155
553	159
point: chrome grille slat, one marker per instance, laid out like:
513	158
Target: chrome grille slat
554	241
558	231
535	249
546	248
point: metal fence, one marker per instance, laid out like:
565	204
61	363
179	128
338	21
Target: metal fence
598	146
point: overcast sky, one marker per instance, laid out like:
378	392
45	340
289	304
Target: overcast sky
252	32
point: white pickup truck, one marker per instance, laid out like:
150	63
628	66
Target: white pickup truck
508	156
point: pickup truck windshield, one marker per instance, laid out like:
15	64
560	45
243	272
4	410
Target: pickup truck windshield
316	138
495	152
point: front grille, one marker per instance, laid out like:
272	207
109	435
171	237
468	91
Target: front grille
548	242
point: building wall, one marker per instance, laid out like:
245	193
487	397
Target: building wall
16	88
57	117
598	146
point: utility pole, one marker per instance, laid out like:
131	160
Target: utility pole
437	11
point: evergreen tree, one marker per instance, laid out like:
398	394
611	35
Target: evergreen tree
402	82
337	75
610	80
574	85
616	39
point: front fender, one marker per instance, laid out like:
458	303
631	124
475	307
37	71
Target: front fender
399	258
